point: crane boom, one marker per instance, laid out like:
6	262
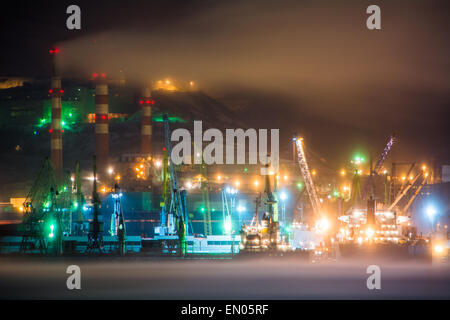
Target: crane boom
404	191
405	208
381	159
315	203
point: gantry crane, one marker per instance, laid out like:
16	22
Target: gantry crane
178	198
315	203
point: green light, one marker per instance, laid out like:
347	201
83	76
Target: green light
70	114
51	234
299	185
35	132
245	169
63	123
202	209
75	204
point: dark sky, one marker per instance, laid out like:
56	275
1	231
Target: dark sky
306	66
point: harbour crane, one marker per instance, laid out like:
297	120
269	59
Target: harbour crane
310	188
95	235
178	198
117	220
377	169
38	208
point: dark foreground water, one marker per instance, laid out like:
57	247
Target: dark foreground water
256	278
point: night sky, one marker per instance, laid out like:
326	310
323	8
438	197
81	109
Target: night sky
310	67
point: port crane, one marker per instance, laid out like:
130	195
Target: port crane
178	198
95	235
39	205
117	220
310	189
369	185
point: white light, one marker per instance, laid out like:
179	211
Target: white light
283	196
110	170
240	209
188	185
431	211
158	163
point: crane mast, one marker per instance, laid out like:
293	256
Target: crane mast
177	202
315	203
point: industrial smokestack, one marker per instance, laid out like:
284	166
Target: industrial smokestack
146	128
101	122
56	129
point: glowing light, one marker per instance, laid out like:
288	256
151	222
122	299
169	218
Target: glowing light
314	172
299	185
431	211
283	196
424	167
323	225
158	163
110	170
189	185
237	183
240	208
52	227
438	249
342	172
117	177
403	178
370	232
256	183
227	224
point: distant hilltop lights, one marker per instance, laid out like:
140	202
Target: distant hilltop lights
169	84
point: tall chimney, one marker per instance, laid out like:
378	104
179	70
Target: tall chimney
101	123
56	129
146	128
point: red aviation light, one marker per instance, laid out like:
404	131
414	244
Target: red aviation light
153	101
62	130
103	117
56	50
147	102
50	91
50	130
103	75
51	51
141	102
94	75
62	91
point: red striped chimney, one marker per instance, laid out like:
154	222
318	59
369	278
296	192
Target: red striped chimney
146	128
56	129
101	122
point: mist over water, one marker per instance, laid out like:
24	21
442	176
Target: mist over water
261	278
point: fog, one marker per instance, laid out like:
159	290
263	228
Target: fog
313	59
276	278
